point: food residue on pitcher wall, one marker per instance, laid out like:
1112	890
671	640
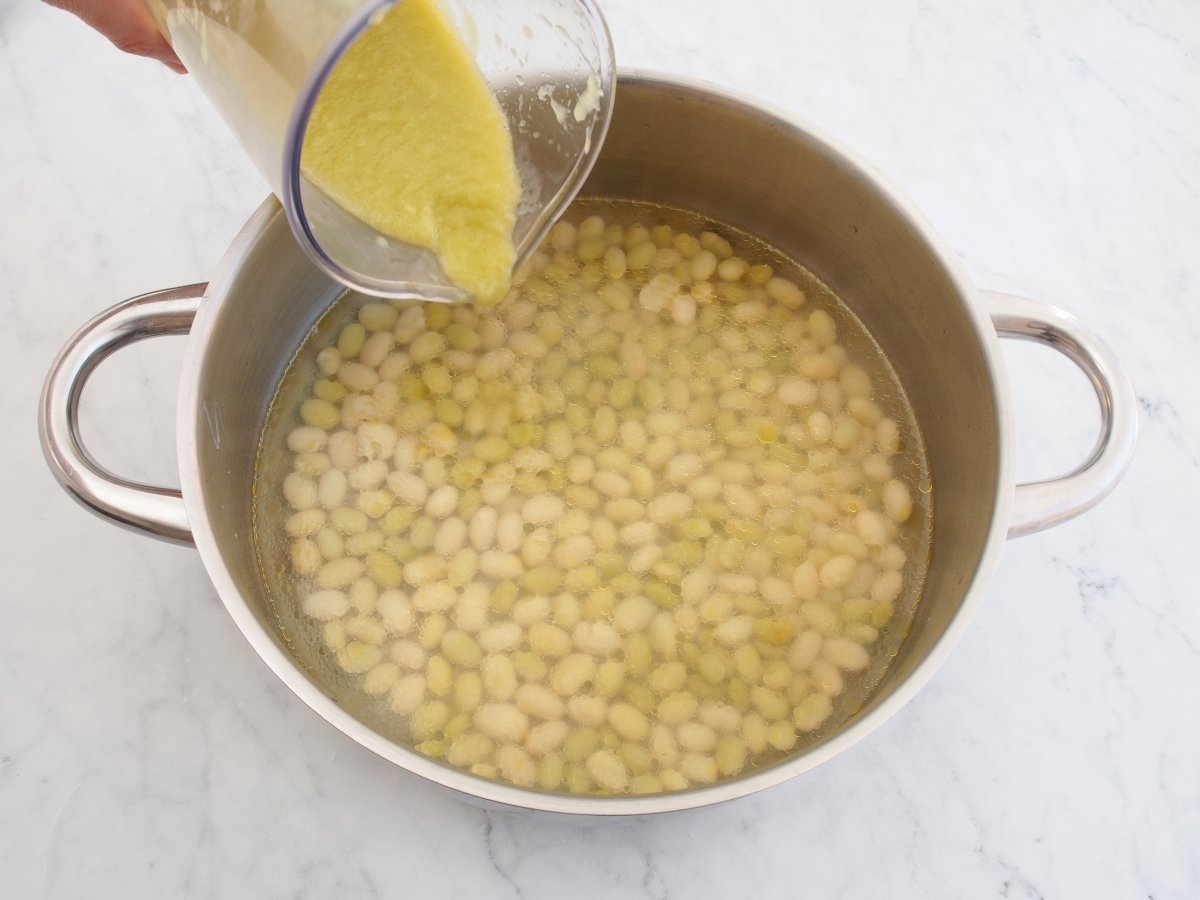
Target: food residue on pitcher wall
408	137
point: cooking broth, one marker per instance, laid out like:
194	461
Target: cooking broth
659	519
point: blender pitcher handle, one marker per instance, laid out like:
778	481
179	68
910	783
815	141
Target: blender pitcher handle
1042	504
157	511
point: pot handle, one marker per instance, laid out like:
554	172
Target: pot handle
157	511
1045	503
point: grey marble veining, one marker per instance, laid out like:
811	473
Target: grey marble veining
146	752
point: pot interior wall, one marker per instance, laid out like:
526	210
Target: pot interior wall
679	146
271	303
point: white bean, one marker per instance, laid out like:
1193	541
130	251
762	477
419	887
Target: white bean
501	721
777	592
574	551
501	637
376	349
530	610
306	555
536	548
469	749
634	614
805	650
663	746
886	587
891	557
442	502
546	737
699	768
669	508
806	581
812	712
645	558
571	673
637	534
299	491
500	565
408	655
696	737
846	654
697	585
588	710
395	611
326	605
705	487
607	770
340	573
665	423
887	436
742	501
838	571
597	638
304	523
471	609
736	582
343	449
539	702
332	487
423	570
408	487
451	536
721	717
510	531
499	677
873	529
407	694
369	475
628	721
580	469
826	678
542	509
633	436
483	528
896	501
612	484
664	634
381	679
683	469
364	595
306	439
734	631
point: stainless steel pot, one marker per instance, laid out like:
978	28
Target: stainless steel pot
692	146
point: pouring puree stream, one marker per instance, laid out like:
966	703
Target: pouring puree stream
407	136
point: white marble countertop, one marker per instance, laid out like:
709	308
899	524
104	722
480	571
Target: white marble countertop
146	752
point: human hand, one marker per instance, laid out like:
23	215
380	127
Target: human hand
127	24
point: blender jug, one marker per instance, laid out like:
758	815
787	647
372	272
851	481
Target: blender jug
262	63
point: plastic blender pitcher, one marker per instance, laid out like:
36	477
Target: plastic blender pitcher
262	64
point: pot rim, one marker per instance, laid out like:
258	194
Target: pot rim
517	798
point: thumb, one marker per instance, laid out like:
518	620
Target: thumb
127	24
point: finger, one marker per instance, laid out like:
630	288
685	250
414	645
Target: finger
127	24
